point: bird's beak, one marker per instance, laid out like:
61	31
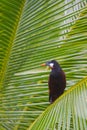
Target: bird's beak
44	64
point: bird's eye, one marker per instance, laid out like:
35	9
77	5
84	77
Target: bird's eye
51	65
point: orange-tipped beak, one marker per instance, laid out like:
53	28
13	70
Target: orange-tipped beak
43	64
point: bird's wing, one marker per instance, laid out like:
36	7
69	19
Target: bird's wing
57	84
53	83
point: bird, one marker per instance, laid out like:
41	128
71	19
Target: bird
56	80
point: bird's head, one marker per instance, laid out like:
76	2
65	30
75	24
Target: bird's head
52	64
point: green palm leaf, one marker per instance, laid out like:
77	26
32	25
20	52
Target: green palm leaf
33	32
67	113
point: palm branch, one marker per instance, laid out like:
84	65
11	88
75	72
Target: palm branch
67	113
33	32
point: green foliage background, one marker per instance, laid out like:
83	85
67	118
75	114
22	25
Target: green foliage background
33	32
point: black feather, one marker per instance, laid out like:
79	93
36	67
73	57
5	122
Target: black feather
56	82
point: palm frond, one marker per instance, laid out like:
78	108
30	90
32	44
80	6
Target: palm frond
33	32
66	113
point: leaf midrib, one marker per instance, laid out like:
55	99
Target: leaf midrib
12	39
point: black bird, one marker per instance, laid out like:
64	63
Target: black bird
57	80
